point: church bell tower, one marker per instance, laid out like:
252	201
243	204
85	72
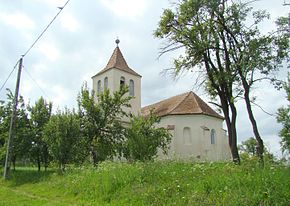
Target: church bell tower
116	74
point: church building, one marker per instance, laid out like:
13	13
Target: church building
197	130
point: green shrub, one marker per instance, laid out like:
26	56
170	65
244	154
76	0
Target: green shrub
143	138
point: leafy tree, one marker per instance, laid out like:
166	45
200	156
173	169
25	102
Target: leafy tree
21	131
62	136
22	134
249	146
256	57
283	117
197	27
233	56
249	149
39	116
3	130
143	138
101	121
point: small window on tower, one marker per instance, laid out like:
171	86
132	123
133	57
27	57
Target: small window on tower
131	88
122	81
187	136
99	87
106	83
212	136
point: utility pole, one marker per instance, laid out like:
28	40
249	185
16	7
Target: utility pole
12	121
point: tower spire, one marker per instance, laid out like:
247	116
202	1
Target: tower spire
117	41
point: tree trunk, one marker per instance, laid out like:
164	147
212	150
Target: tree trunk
94	156
13	161
225	95
231	126
59	167
38	163
234	147
260	143
260	146
45	157
233	141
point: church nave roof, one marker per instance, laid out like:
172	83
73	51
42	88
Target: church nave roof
186	103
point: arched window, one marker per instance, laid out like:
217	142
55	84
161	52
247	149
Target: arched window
187	136
106	83
212	136
122	81
99	87
131	88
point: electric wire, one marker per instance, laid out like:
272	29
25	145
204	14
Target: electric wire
33	44
3	85
30	76
61	8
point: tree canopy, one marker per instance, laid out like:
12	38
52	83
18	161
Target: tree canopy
144	138
62	136
21	130
40	114
283	117
230	54
101	121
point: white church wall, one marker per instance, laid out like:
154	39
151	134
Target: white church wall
191	138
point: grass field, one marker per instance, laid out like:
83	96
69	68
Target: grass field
154	183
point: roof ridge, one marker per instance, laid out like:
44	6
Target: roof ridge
198	103
176	106
186	103
164	100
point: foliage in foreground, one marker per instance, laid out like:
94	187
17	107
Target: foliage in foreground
152	183
284	118
21	130
101	121
70	137
62	135
40	114
248	148
143	138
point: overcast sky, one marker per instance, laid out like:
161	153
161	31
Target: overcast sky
81	40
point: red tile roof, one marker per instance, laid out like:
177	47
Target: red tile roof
118	61
187	103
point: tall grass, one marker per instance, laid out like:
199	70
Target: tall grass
158	183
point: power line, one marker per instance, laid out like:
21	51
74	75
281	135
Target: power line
60	9
35	82
9	75
33	44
